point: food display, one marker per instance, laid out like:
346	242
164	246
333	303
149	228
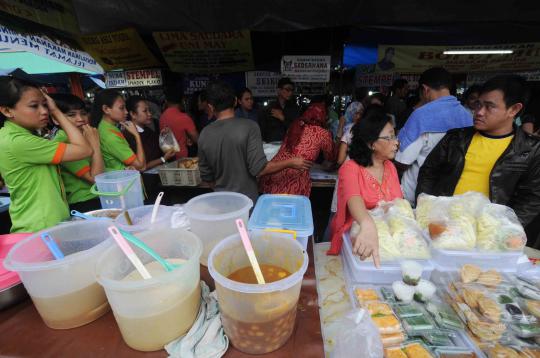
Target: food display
409	350
188	163
499	229
400	237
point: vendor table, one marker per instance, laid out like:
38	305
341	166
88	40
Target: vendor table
23	333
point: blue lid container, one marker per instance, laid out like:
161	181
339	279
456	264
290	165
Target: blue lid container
288	212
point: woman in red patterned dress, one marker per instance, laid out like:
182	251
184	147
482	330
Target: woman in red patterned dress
306	138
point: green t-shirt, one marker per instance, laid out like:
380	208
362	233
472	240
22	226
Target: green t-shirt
77	189
114	147
29	166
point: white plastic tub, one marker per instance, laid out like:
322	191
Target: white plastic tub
141	217
365	271
213	217
449	260
64	291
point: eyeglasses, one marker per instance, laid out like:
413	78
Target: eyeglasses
288	89
390	138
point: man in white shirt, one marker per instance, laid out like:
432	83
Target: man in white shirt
427	125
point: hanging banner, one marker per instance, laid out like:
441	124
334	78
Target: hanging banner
192	84
59	14
374	79
206	52
306	68
412	79
310	88
396	58
122	49
262	83
11	41
481	77
134	78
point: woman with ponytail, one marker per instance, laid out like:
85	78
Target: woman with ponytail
366	179
109	111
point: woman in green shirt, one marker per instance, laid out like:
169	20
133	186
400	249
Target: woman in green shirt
29	163
108	111
78	176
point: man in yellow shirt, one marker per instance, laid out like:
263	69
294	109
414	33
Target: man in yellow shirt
494	157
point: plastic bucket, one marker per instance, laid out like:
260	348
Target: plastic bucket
141	217
64	291
212	217
119	189
154	312
258	318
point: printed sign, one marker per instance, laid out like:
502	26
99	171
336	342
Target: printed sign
206	52
306	68
397	58
59	14
134	78
11	41
262	83
374	79
122	49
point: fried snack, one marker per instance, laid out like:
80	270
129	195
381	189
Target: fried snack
489	309
471	296
485	330
386	324
395	352
188	163
392	339
530	353
379	308
416	350
470	273
502	352
366	295
533	307
490	278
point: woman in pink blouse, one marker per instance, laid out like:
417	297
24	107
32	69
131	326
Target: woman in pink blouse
366	179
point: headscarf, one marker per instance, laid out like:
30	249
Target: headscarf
351	110
315	115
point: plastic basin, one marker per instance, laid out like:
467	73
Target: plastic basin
258	318
65	291
151	313
212	217
141	217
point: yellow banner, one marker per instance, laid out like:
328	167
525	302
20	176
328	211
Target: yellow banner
122	49
206	52
397	58
59	14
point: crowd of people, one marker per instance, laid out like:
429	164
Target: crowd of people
385	147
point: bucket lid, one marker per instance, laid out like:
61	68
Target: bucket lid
8	278
289	212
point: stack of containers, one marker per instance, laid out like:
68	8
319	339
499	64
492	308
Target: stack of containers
283	213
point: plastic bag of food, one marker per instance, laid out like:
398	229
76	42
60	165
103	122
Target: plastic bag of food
453	235
167	141
408	237
388	248
498	229
359	337
425	205
397	206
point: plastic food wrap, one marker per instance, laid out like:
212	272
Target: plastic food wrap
399	207
499	229
359	337
167	141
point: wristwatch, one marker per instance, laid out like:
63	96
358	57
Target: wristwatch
163	160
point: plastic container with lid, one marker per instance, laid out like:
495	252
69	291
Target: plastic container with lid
212	217
258	318
154	312
119	189
449	260
365	271
141	217
64	291
284	212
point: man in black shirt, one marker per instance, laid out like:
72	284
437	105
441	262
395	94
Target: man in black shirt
278	115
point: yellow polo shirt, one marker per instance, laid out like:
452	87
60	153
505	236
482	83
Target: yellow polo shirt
483	153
